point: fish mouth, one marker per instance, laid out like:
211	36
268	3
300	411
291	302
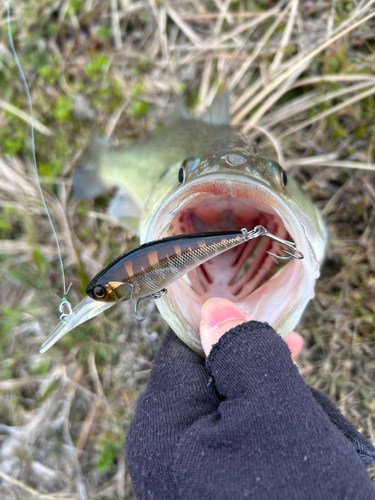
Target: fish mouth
261	285
235	274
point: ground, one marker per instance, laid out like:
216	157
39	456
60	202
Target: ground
300	75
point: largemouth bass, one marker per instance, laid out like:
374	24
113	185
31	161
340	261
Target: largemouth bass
200	175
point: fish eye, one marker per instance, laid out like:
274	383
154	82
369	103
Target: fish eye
99	292
181	174
284	178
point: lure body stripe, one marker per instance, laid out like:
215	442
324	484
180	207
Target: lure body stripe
155	265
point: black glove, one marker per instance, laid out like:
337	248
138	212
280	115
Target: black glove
243	424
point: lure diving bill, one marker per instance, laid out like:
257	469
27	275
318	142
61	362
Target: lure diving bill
148	270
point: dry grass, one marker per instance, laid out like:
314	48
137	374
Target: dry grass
301	81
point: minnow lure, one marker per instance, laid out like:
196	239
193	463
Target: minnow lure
148	270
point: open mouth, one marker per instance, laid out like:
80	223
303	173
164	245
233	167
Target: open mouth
262	286
238	272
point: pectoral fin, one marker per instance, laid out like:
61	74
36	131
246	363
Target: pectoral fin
87	182
126	210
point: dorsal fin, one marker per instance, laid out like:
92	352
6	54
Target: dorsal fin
218	111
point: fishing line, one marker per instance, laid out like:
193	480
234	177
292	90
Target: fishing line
65	304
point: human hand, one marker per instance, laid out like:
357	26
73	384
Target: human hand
242	424
220	315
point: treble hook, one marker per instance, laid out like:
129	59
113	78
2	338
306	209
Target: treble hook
155	295
289	244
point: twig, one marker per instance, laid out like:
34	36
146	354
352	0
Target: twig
188	32
303	103
334	163
274	142
6	385
215	15
85	431
273	99
33	493
116	25
285	38
112	122
292	68
247	64
246	26
96	381
25	117
326	113
224	14
80	485
120	474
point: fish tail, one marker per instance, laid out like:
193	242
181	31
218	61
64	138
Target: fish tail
87	182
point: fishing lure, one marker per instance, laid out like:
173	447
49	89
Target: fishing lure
148	270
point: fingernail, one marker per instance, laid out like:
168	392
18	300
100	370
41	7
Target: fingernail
217	317
216	311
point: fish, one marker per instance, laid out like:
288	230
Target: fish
200	175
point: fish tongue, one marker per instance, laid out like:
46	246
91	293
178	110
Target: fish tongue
206	215
213	220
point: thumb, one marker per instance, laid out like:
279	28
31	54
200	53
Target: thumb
217	317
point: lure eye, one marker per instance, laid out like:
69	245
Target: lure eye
181	174
99	292
284	178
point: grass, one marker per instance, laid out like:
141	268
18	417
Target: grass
301	81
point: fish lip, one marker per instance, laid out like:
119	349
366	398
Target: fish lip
237	186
